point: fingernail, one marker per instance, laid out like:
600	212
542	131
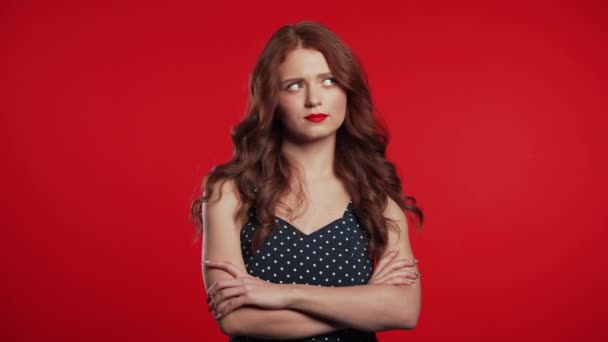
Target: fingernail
415	261
206	262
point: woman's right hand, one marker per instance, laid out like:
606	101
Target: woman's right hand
391	271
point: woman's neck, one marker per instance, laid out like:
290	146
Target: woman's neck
315	160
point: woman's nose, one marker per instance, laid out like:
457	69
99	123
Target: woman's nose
313	97
313	103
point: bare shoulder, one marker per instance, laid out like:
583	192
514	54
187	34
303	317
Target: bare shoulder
224	201
221	188
218	212
394	212
221	229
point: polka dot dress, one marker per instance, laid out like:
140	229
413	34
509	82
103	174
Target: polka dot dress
333	255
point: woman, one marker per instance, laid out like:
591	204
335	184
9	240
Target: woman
309	151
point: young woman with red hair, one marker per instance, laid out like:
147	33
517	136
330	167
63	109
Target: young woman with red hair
309	151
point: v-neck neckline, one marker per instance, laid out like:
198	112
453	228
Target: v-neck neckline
314	232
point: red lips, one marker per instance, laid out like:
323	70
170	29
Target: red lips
316	117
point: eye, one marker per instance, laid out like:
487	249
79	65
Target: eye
331	79
291	86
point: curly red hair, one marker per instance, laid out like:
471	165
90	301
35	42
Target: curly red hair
261	173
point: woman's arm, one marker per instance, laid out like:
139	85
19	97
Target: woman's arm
281	324
378	307
366	307
221	240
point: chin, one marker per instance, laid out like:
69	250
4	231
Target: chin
317	137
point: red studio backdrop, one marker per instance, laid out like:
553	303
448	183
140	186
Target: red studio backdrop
113	112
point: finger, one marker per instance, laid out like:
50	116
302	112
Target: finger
226	266
392	266
222	284
397	265
213	286
228	293
401	263
382	280
410	274
405	274
401	281
385	260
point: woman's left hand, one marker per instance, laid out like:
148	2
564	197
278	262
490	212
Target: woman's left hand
226	295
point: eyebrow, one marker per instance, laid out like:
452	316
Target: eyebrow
295	79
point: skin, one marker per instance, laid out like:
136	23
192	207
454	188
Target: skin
307	86
227	295
390	300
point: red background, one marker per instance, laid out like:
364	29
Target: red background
113	112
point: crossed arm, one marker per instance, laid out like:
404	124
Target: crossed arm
275	324
307	310
295	311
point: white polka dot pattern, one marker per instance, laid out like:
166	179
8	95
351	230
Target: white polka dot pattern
333	255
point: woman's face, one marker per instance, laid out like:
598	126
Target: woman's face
308	87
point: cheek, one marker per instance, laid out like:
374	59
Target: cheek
288	108
340	104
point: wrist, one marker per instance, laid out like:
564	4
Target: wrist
291	295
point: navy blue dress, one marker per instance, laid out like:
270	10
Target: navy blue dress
334	255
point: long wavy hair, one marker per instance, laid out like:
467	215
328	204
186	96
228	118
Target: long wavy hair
261	173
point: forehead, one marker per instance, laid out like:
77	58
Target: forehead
301	62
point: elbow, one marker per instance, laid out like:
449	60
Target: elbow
401	320
228	325
409	314
409	319
405	320
225	328
409	323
